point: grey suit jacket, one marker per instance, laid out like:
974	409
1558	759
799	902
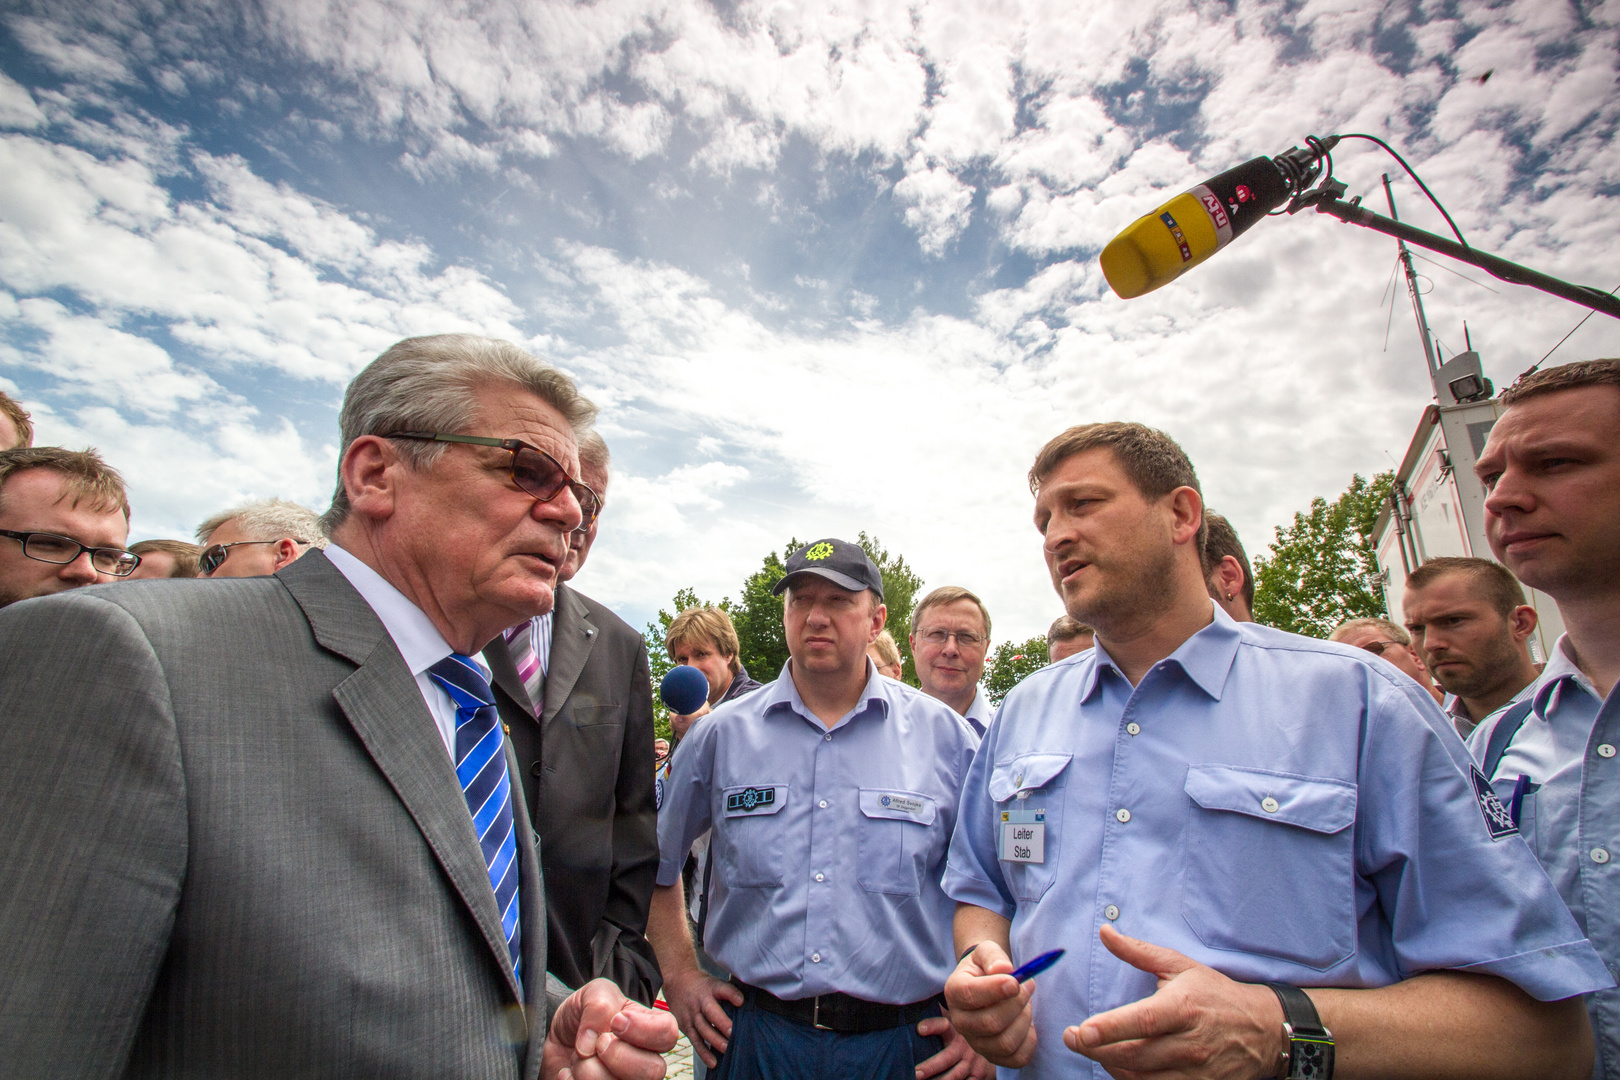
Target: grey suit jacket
588	773
234	845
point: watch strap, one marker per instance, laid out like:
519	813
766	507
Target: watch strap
1310	1045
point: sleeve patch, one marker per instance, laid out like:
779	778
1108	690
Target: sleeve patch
1498	822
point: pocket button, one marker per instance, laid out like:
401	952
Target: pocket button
1268	804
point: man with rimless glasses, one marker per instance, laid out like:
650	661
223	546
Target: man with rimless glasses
64	519
257	538
950	634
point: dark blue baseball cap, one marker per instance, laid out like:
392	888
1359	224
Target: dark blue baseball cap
840	562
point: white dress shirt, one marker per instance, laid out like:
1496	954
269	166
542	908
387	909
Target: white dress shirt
417	639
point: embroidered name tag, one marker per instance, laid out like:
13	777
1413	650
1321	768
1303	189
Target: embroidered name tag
1498	822
750	799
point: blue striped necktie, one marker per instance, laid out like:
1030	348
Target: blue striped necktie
481	769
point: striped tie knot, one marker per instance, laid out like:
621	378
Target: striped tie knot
481	772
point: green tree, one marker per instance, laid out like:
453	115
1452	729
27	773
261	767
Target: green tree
1320	570
757	615
1011	661
900	588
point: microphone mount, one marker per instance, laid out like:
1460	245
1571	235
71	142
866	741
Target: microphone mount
1301	168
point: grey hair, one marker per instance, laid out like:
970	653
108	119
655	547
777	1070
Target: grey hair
268	519
593	452
431	384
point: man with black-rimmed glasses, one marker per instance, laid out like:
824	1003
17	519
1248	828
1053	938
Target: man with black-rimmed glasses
64	520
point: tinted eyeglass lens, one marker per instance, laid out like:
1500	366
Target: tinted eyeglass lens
52	549
212	558
589	504
538	474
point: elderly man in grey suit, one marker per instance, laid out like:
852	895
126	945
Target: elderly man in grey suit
269	826
575	688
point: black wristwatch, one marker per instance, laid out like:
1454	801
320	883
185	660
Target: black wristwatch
1310	1045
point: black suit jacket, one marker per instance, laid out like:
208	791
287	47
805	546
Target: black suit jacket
587	768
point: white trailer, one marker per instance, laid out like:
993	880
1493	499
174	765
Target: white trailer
1437	506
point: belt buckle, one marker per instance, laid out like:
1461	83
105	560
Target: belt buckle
815	1015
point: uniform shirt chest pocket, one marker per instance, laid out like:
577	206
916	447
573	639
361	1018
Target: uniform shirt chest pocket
750	838
900	838
1030	788
1269	864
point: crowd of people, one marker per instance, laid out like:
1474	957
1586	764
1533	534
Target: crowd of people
388	802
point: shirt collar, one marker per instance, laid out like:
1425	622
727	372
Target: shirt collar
1558	678
414	634
782	694
1206	657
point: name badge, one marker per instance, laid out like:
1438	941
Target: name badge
1022	835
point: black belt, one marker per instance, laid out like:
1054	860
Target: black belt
841	1012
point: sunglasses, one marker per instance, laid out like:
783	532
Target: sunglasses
214	555
533	470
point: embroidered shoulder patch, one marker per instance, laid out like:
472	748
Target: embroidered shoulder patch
1498	822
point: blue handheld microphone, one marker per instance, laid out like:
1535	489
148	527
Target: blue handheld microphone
684	690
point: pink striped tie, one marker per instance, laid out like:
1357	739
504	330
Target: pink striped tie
520	642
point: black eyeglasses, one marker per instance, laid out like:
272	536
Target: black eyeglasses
533	470
214	555
61	550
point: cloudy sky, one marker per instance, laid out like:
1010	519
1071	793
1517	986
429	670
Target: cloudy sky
826	267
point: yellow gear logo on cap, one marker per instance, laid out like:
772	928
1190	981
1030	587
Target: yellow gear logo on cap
820	551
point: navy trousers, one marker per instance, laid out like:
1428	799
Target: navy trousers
764	1046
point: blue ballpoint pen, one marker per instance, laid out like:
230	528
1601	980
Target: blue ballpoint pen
1038	965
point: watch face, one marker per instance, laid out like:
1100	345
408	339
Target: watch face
1310	1061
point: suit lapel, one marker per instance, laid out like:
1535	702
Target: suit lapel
498	655
572	637
383	705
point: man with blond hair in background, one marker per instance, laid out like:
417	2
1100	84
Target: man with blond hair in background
257	538
64	519
1390	642
885	653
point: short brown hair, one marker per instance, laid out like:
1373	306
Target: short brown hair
1395	631
13	411
1153	461
1493	581
1067	628
89	478
1221	541
887	649
185	555
1564	377
949	594
704	625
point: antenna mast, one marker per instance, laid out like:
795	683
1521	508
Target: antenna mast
1417	300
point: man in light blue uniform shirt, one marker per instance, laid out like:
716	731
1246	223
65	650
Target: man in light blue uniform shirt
1552	465
1259	812
832	794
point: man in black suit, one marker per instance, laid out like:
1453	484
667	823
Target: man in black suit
587	767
